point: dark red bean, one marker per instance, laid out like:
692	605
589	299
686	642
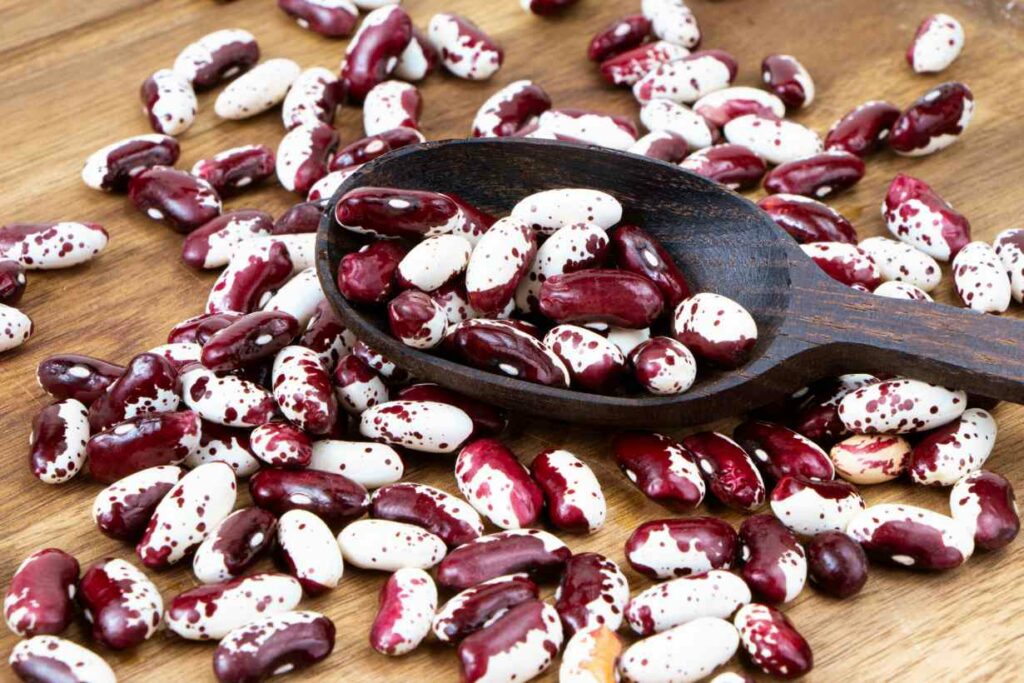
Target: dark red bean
334	20
700	545
620	36
390	212
733	166
236	169
368	276
508	111
774	563
530	631
235	544
199	328
593	592
817	417
122	605
506	552
242	286
334	498
779	451
836	564
300	218
934	121
638	252
787	78
772	643
174	197
369	148
817	176
217	57
807	220
149	384
452	520
575	501
473	608
122	510
864	129
415	320
112	167
487	420
661	468
142	442
40	598
82	378
273	645
213	244
327	335
252	338
614	297
984	502
515	503
375	50
504	347
730	472
12	282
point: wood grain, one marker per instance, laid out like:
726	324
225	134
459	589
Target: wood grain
70	72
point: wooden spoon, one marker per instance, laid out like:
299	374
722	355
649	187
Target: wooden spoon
809	325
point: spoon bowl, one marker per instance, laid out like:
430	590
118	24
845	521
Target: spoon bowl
809	326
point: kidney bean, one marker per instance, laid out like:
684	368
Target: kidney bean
372	146
308	551
212	245
280	444
497	346
373	54
620	36
46	658
175	198
810	507
1009	246
536	552
845	263
304	155
334	498
234	545
487	420
327	335
626	68
48	246
864	129
900	406
817	417
424	426
984	504
302	389
498	263
390	105
575	501
934	121
57	444
454	301
389	212
466	51
380	364
593	592
368	275
229	400
357	386
416	320
506	112
419	59
636	251
548	211
521	644
936	44
169	102
217	57
673	21
477	606
836	564
313	98
687	79
660	468
684	653
807	220
730	472
779	452
142	442
954	450
121	603
199	328
776	141
663	366
255	92
715	329
662	145
388	546
434	262
148	385
918	216
237	168
901	290
574	247
40	598
594	363
111	167
615	297
368	464
772	642
447	517
871	459
12	282
303	217
817	176
721	106
407	603
273	644
774	562
669	548
250	339
678	119
15	328
212	611
666	605
591	656
123	509
734	166
331	18
178	355
980	279
789	80
582	127
913	537
224	444
493	480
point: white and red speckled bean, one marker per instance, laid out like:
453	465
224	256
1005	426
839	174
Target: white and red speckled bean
280	444
688	652
715	329
575	501
955	450
40	599
298	298
981	279
620	36
330	18
334	498
217	57
776	141
48	246
574	247
224	444
313	98
548	211
43	657
779	451
434	262
121	603
248	341
734	166
302	389
669	548
169	102
593	592
390	105
368	275
920	217
234	545
722	106
273	645
689	78
477	606
448	517
57	443
213	244
229	400
673	21
466	51
900	406
368	464
774	562
934	122
388	546
864	129
626	68
661	468
419	59
808	220
380	363
870	458
148	385
1009	245
536	552
178	355
487	420
591	656
408	600
494	482
425	426
663	145
327	335
583	127
498	263
772	643
386	212
255	92
678	119
325	188
810	507
198	329
357	386
304	155
819	176
844	263
237	168
912	537
593	362
901	290
369	148
729	471
188	514
15	328
454	301
509	109
301	249
520	645
175	198
666	605
309	552
111	167
901	262
123	510
374	53
212	611
984	503
663	366
785	76
936	44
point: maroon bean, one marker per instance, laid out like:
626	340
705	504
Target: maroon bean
593	592
666	548
82	378
217	57
507	111
506	552
620	36
375	50
213	244
493	480
149	384
299	218
807	220
123	510
845	263
546	7
774	564
817	417
615	297
934	121
731	474
575	501
836	564
499	346
379	363
466	51
57	443
334	498
391	212
174	197
416	321
235	169
638	252
487	420
142	442
369	148
452	520
520	645
198	329
734	166
864	129
912	537
788	79
252	338
273	644
280	444
252	275
780	452
12	282
112	167
234	545
368	276
772	643
817	176
331	19
123	606
169	102
40	598
985	504
475	607
303	156
661	468
327	335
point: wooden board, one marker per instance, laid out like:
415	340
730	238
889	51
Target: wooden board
70	72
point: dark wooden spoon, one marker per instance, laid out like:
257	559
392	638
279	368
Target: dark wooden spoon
809	326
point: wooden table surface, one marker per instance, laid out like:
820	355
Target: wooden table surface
70	72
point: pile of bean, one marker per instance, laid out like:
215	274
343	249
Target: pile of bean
261	385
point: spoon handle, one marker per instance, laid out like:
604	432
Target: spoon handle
955	347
